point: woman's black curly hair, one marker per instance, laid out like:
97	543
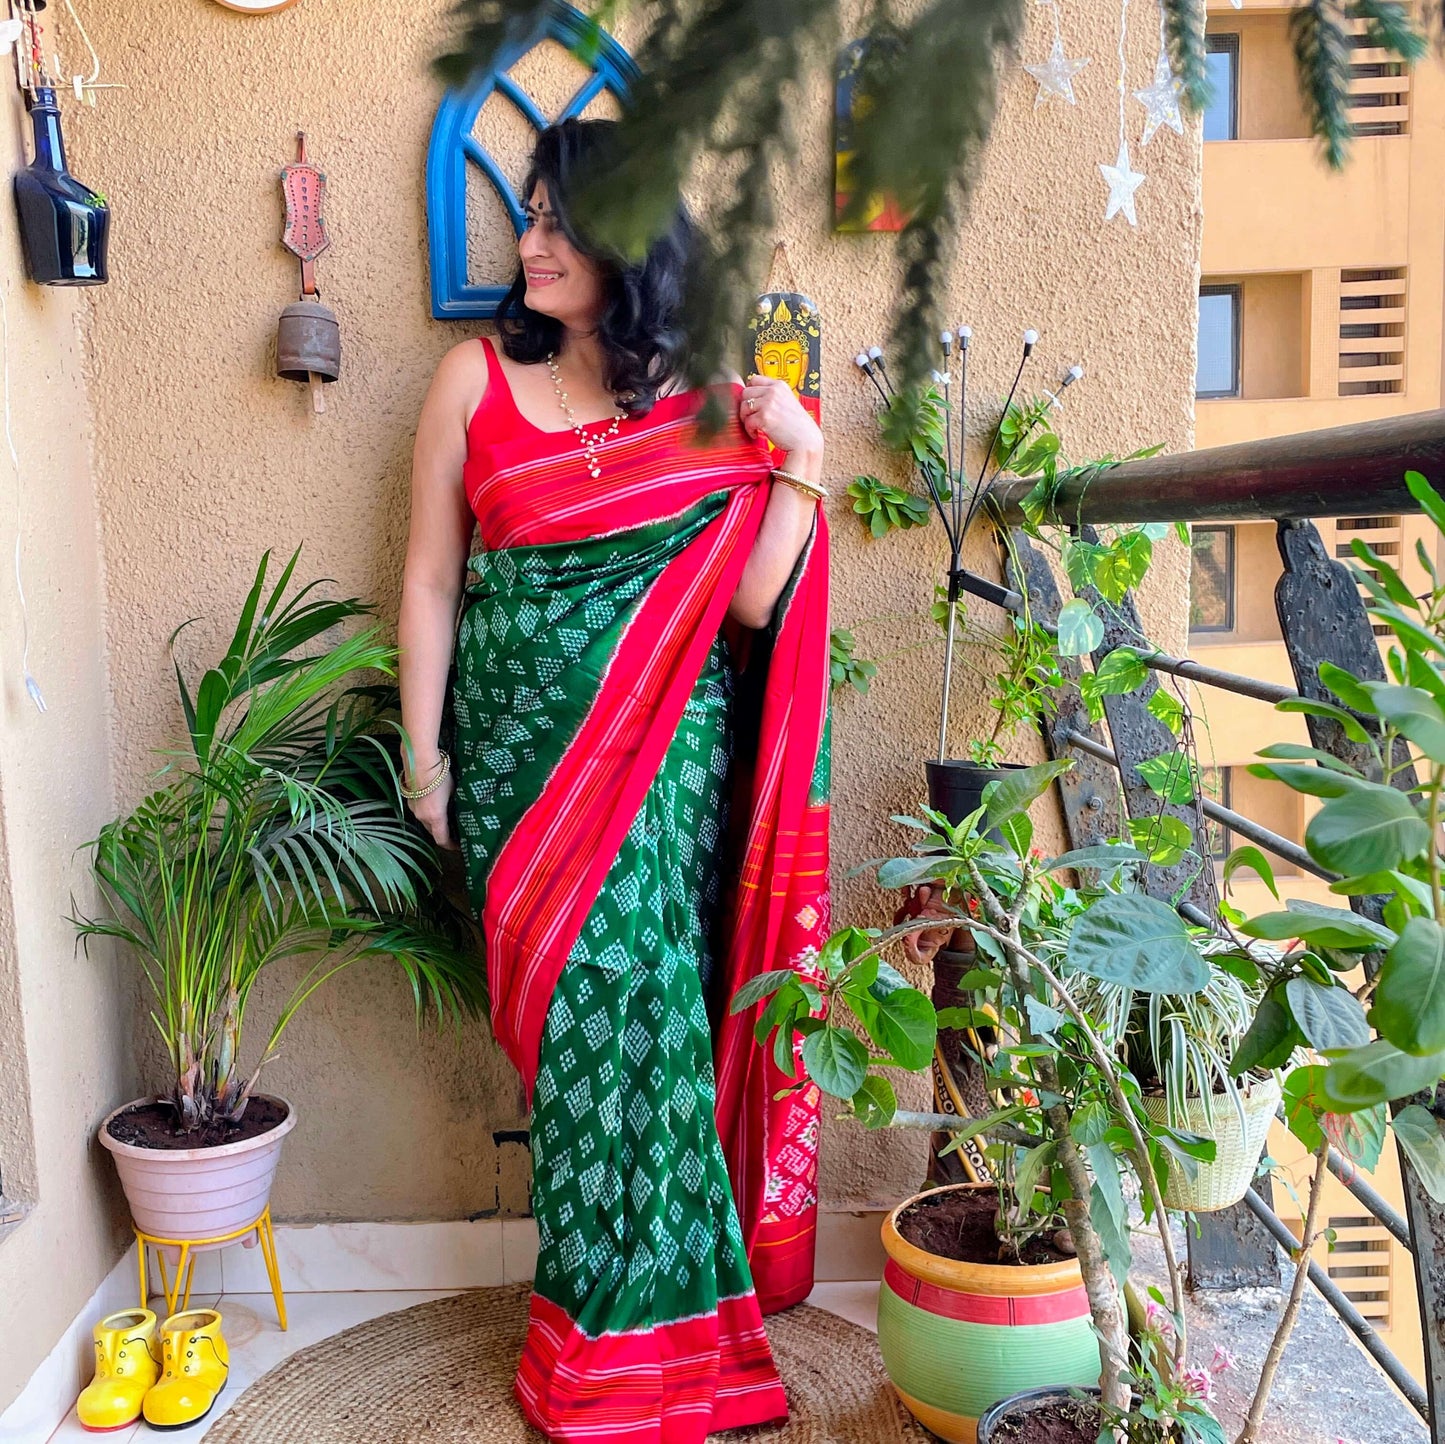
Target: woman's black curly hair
642	328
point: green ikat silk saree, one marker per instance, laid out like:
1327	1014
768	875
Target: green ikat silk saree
642	793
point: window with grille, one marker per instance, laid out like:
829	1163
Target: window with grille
1211	579
1372	332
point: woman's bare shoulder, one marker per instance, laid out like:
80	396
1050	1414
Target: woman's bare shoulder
461	377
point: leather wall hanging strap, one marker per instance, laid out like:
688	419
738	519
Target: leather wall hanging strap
304	187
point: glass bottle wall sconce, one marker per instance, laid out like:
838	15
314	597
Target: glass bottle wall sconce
64	225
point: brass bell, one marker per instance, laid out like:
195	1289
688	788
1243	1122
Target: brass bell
308	345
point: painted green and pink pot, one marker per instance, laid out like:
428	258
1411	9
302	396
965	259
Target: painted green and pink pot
957	1337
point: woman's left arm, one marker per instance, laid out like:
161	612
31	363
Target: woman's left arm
769	405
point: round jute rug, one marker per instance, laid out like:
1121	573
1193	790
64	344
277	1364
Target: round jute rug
441	1373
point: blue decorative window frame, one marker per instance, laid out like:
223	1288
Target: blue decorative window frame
453	147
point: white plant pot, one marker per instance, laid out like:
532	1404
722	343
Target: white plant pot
1238	1147
193	1193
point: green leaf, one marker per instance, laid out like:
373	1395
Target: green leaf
1362	1140
1018	791
964	1018
836	1061
1102	857
875	1102
1018	832
1418	1132
1113	1234
1328	1017
1349	723
1314	781
1346	686
1373	829
1377	1073
1169	776
1120	672
1430	500
1271	1039
906	1027
1090	1123
1292	751
1029	1177
1409	1003
1325	927
1043	1020
1168	709
1251	857
1414	713
1166	838
1079	630
1303	1105
760	987
1136	942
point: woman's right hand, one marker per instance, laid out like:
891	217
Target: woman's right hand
431	811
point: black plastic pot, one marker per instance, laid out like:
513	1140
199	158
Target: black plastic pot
1022	1403
955	787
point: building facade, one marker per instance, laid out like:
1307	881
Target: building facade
1320	304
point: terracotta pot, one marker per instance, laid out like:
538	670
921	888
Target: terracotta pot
188	1193
1238	1147
957	1337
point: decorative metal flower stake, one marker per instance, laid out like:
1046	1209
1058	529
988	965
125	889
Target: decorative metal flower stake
956	511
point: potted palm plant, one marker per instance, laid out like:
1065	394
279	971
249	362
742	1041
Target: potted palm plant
276	831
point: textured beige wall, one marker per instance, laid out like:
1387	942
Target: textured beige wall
65	1055
204	460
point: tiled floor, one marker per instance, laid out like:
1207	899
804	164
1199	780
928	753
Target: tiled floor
257	1344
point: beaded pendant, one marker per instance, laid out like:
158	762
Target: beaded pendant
590	443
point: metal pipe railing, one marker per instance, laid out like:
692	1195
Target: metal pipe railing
1312	473
1350	1316
1246	827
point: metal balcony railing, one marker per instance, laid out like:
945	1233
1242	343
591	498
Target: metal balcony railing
1343	471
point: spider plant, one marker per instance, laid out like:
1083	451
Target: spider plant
1184	1041
276	832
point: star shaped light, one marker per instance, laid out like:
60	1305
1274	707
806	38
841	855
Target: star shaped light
1123	180
1056	75
1161	100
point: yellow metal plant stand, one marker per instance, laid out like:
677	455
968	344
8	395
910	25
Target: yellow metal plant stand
179	1288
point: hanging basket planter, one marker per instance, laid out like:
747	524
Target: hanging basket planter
956	1337
1239	1145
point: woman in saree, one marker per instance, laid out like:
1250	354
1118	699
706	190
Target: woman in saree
640	775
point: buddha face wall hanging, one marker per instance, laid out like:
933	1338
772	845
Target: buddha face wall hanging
787	343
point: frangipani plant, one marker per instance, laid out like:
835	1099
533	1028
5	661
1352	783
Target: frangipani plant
276	832
1069	1130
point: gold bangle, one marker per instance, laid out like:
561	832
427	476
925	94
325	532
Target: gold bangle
800	483
444	765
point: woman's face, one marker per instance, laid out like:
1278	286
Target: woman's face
561	281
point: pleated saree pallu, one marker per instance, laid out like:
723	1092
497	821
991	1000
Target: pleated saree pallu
645	827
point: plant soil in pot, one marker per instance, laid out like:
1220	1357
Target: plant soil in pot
179	1191
955	787
1042	1416
958	1334
1239	1145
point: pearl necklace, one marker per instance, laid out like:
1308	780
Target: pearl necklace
590	444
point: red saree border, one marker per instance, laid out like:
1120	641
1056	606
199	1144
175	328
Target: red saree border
673	1383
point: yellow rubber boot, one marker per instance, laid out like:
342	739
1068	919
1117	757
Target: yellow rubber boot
195	1364
125	1368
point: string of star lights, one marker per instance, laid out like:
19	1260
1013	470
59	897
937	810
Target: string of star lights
955	500
1161	99
1056	75
1121	177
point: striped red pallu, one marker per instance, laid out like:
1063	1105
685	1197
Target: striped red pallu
628	829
